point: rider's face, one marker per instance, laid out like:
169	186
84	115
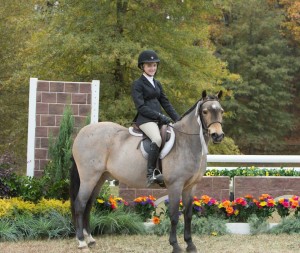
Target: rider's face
150	68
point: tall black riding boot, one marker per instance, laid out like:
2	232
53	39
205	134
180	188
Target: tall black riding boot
152	160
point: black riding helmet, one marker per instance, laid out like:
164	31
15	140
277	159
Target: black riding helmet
147	56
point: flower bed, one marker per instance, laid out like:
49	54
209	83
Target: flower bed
207	211
238	210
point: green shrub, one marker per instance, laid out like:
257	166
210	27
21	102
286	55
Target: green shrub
56	173
164	228
226	147
289	225
9	231
252	171
9	182
200	226
208	226
117	222
258	225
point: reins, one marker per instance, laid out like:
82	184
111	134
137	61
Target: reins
177	130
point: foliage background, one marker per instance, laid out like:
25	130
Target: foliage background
249	49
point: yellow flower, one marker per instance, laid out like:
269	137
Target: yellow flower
252	168
267	173
214	233
207	173
101	201
263	203
45	205
197	203
5	207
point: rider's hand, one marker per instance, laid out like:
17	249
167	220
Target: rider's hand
164	119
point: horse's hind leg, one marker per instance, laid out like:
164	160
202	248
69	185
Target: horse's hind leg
86	216
85	191
187	200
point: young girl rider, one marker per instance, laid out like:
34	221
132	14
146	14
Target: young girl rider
148	96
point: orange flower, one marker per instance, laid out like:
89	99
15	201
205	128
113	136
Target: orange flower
205	199
294	203
271	202
112	201
151	198
156	220
264	196
226	203
229	210
249	196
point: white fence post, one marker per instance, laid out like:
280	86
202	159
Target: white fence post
95	101
31	127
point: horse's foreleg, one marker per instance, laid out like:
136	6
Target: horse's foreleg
174	200
187	199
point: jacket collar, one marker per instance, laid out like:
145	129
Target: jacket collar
145	80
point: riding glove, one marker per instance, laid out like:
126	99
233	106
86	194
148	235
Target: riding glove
164	119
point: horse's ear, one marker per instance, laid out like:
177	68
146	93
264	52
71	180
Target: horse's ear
220	93
204	95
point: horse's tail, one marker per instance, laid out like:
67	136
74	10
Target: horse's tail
74	186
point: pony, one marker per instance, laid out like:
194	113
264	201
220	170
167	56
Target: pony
107	149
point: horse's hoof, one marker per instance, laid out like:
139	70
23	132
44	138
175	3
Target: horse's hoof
82	245
191	249
177	249
84	248
91	244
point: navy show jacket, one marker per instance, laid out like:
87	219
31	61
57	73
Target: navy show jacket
149	100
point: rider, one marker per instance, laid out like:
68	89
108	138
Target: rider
148	96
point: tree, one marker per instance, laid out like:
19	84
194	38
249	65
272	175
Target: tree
85	40
250	40
16	25
291	30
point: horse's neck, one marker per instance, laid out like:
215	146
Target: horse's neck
190	129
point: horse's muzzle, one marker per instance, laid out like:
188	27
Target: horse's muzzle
217	138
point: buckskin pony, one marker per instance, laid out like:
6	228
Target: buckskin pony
107	149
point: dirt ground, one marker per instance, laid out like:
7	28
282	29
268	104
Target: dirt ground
154	244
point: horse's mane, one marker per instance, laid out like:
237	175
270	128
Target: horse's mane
189	110
209	97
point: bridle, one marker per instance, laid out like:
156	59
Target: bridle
200	120
202	124
200	109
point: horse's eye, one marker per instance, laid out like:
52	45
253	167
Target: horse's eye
205	111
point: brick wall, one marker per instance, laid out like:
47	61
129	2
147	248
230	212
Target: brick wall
275	186
51	99
219	187
216	187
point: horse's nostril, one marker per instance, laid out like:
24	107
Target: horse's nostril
217	137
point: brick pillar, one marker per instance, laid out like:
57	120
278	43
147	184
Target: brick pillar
51	100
